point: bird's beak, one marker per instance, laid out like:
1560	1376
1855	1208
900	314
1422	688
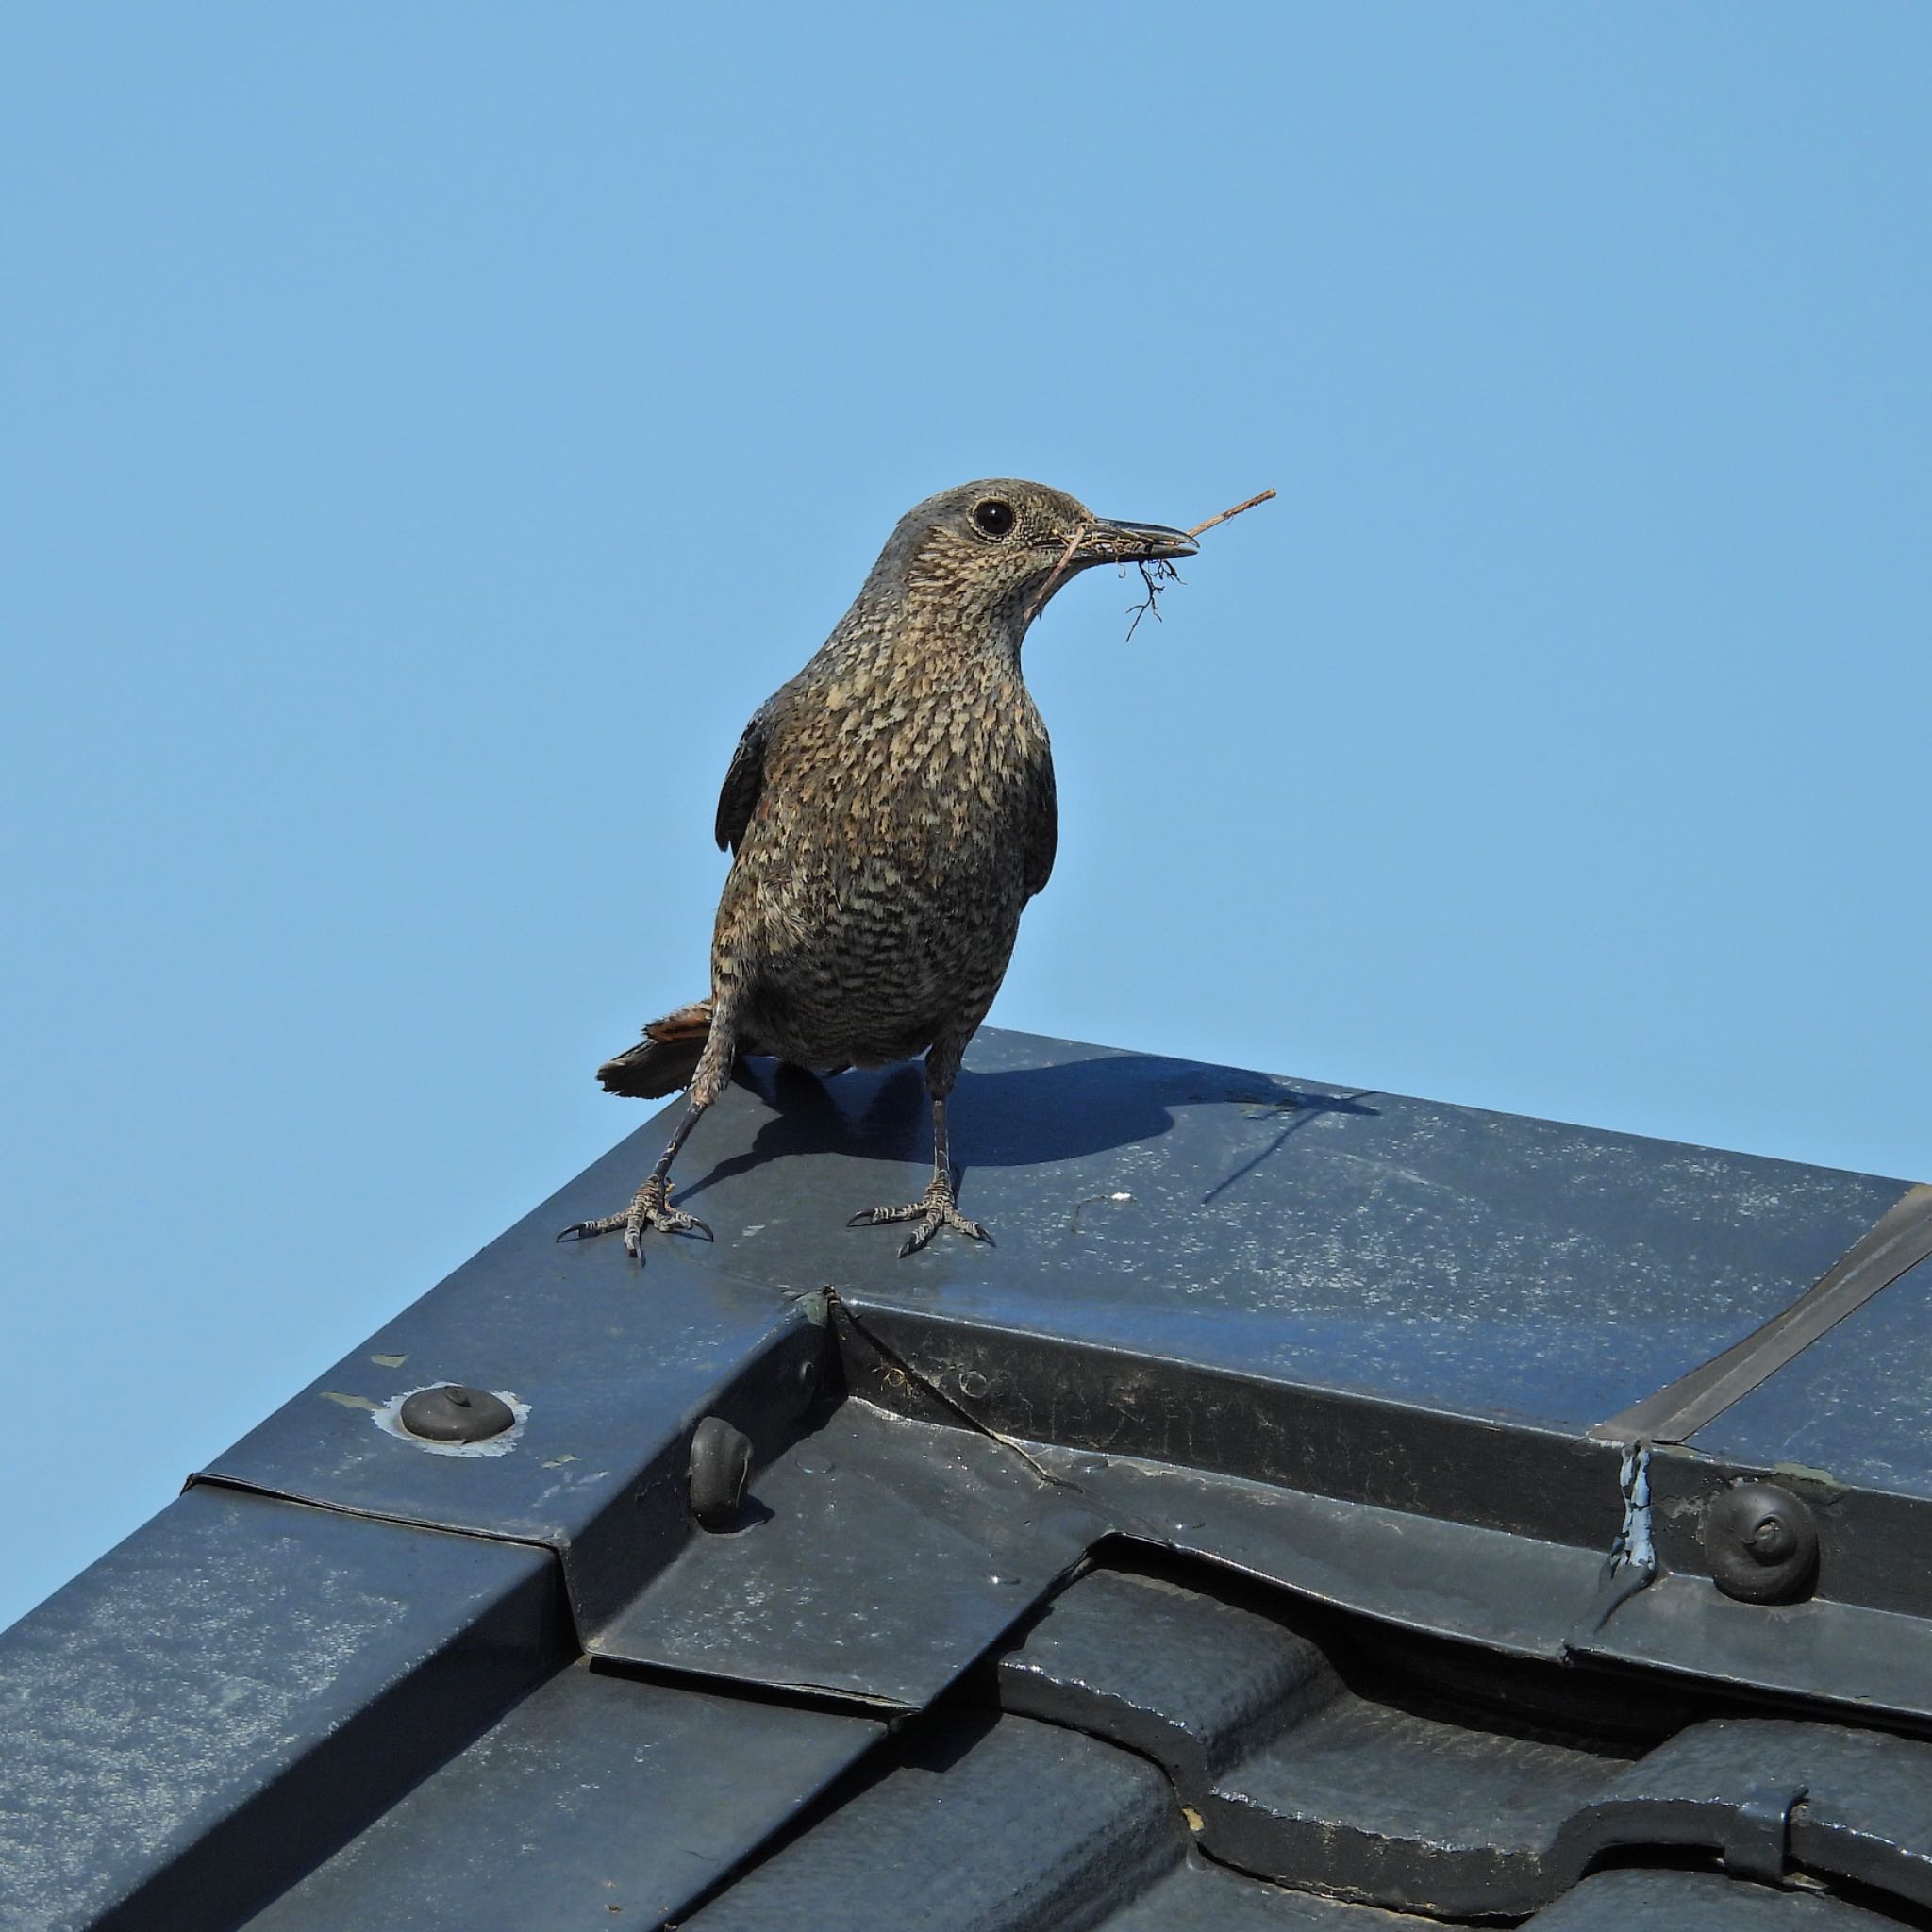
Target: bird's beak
1116	543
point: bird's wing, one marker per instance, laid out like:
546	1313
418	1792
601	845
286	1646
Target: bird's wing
1042	828
744	780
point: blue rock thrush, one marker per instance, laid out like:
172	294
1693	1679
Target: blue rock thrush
889	812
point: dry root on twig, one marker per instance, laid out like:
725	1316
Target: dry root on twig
1157	574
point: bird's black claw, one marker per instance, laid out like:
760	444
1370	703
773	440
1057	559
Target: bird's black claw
651	1209
648	1209
585	1231
932	1212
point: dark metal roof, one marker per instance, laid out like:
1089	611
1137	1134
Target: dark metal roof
1226	1547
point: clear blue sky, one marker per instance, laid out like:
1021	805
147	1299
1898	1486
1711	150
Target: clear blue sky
426	433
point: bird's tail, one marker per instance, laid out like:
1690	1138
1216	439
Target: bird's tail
664	1060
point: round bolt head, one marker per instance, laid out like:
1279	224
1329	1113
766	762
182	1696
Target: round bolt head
1761	1544
453	1413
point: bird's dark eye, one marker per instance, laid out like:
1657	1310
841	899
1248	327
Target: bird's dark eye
994	516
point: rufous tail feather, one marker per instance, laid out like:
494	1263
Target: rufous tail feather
665	1059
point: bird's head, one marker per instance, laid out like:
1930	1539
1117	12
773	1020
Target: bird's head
994	553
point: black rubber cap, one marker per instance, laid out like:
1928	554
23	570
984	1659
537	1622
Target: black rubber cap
720	1461
1761	1543
454	1413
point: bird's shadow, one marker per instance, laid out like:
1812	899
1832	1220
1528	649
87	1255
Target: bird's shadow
1307	1107
1011	1117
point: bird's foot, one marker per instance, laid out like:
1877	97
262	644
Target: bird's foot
650	1208
933	1211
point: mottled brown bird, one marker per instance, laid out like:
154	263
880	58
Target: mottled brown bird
889	812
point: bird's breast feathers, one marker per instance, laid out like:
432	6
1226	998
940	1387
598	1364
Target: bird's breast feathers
894	753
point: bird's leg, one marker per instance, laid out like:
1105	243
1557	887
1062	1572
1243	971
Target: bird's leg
650	1206
934	1209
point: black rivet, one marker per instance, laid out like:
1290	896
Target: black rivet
453	1413
720	1461
1761	1544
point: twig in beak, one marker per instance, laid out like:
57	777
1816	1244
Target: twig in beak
1046	591
1233	512
1164	570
